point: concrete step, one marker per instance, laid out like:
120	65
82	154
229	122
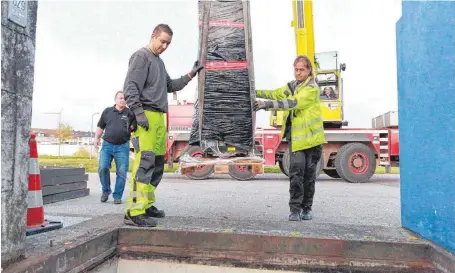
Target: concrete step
348	250
247	244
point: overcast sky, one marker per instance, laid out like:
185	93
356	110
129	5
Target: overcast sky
83	47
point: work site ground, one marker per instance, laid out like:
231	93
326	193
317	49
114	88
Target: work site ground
376	203
221	223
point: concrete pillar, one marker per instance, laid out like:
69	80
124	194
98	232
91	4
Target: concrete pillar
18	58
426	103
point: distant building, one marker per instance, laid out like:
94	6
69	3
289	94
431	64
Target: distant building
49	136
45	136
83	137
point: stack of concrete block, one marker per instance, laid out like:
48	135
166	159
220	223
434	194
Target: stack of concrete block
60	183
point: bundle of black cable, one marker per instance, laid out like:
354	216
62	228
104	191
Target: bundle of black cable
227	112
194	134
226	109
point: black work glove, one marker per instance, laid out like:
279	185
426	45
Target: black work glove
260	104
196	68
133	126
142	121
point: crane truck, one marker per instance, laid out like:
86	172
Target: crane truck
351	154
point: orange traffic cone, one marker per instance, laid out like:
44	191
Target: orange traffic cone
35	211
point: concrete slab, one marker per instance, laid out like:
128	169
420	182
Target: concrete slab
239	243
65	196
67	220
279	244
70	249
288	228
72	235
343	212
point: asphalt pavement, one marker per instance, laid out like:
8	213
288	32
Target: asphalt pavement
376	203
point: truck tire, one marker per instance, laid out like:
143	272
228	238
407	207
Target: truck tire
240	172
199	172
320	166
355	162
280	163
286	161
332	173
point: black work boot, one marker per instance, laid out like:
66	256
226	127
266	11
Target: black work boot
140	221
294	216
155	212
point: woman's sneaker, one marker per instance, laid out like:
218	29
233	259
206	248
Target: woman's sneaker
294	216
306	215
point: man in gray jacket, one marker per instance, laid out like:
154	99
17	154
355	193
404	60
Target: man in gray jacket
146	87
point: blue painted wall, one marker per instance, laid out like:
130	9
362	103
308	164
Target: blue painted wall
426	103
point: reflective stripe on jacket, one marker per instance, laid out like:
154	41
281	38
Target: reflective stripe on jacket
303	105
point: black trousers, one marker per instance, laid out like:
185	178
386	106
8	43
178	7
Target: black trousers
302	177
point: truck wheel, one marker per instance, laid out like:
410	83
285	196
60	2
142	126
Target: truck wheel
320	166
199	172
332	173
355	162
241	172
280	163
286	162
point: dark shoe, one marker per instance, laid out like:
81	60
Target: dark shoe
105	196
295	216
140	221
117	201
306	215
154	212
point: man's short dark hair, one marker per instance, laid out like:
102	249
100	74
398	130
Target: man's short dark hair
163	28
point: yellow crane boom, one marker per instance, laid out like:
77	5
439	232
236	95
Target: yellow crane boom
326	68
303	28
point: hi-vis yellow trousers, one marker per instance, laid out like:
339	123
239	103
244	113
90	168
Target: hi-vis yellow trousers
149	150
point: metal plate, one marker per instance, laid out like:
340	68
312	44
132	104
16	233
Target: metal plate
17	12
